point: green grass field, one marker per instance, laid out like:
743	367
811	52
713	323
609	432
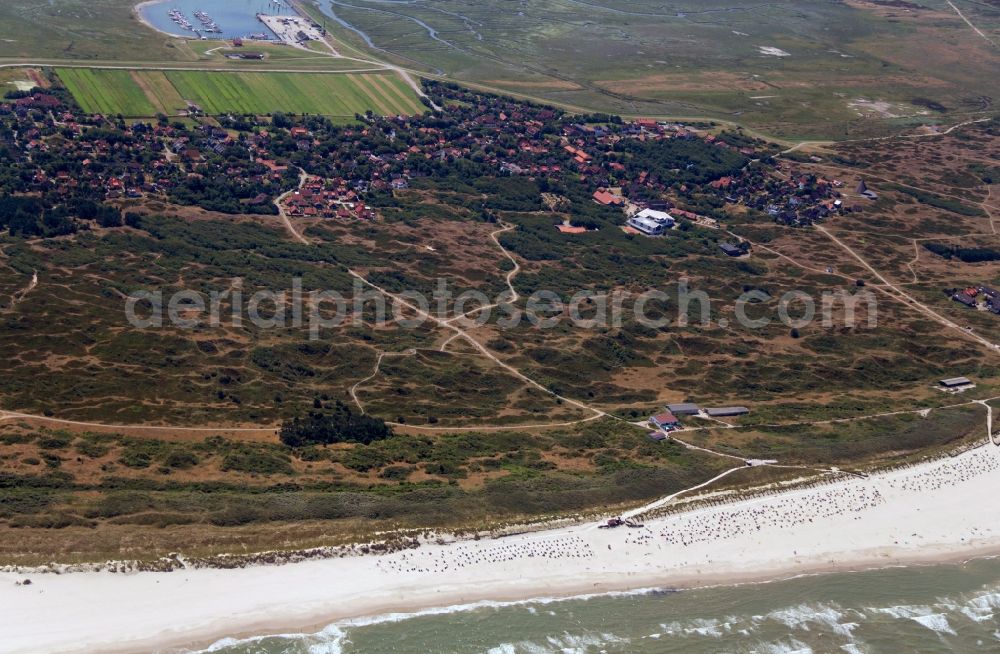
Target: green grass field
107	91
146	93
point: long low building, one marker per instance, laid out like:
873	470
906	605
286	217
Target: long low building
684	409
727	411
955	382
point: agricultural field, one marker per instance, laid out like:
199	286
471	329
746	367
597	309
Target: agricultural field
330	95
107	91
145	93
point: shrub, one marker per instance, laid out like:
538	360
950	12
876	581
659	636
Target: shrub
135	459
16	439
396	473
181	460
257	461
312	454
940	202
364	459
54	442
92	449
120	503
24	500
57	521
236	515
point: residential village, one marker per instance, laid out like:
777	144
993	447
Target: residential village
328	198
657	174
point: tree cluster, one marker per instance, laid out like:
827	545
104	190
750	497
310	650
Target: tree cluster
968	255
338	425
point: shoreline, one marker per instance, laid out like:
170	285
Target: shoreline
379	612
931	513
137	12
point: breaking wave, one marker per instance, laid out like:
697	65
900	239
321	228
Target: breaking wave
737	619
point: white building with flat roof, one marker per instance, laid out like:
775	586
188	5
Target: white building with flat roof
651	223
661	217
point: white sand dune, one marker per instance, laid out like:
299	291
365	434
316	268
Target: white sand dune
938	511
772	51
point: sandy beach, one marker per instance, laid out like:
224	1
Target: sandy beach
139	13
935	512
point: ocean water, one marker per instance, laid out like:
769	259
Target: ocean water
921	610
236	18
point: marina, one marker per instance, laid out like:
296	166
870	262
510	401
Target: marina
213	19
208	26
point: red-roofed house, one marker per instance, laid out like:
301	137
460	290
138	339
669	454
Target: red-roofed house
607	199
665	420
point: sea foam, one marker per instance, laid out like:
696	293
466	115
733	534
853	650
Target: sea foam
330	640
922	615
803	615
792	647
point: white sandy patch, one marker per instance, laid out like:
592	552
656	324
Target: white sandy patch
23	85
937	511
771	51
883	109
880	108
